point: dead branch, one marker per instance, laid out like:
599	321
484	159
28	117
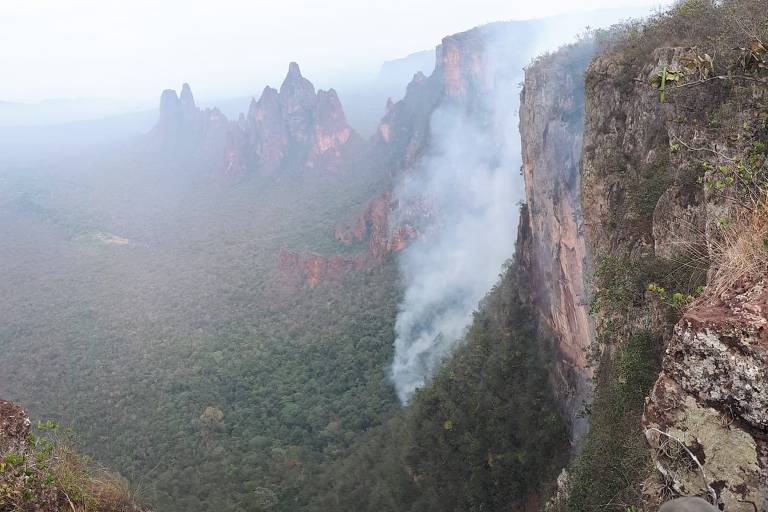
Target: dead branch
709	489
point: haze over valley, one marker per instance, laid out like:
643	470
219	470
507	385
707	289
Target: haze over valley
368	283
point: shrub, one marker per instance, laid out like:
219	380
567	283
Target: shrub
615	459
47	475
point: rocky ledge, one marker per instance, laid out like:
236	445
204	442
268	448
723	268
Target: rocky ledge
707	415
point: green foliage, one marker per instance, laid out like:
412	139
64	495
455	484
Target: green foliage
485	434
614	459
676	300
745	176
615	286
131	344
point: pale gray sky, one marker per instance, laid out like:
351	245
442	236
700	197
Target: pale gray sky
132	49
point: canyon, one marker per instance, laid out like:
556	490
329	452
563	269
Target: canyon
539	285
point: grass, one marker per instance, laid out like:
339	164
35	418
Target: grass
741	250
45	474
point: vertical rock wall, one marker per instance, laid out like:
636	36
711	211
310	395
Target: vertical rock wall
551	118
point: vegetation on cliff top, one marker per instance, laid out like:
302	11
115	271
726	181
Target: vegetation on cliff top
41	472
722	108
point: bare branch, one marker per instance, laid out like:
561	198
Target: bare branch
709	489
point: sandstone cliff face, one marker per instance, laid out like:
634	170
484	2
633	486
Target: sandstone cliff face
373	227
465	76
551	130
642	202
467	81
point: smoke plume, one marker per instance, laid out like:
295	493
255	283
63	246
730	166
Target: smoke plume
471	184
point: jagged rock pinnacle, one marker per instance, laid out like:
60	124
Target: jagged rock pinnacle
170	106
187	99
293	70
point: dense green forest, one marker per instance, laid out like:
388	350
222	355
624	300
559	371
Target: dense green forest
486	434
153	320
144	308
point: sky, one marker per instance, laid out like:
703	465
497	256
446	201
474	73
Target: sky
132	49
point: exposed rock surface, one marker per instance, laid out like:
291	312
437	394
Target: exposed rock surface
14	427
550	126
713	396
641	201
294	130
311	269
463	76
183	129
373	226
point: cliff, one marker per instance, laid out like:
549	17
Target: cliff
470	67
554	252
648	211
648	171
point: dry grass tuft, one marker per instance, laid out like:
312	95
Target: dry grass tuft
46	475
113	493
742	249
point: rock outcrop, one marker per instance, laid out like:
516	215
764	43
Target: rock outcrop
185	131
555	256
373	227
310	269
293	130
14	427
646	154
712	399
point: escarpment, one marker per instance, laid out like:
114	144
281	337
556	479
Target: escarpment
646	165
656	196
551	121
673	201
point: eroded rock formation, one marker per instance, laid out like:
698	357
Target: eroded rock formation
551	119
293	130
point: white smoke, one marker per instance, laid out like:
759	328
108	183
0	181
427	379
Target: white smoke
459	257
471	183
